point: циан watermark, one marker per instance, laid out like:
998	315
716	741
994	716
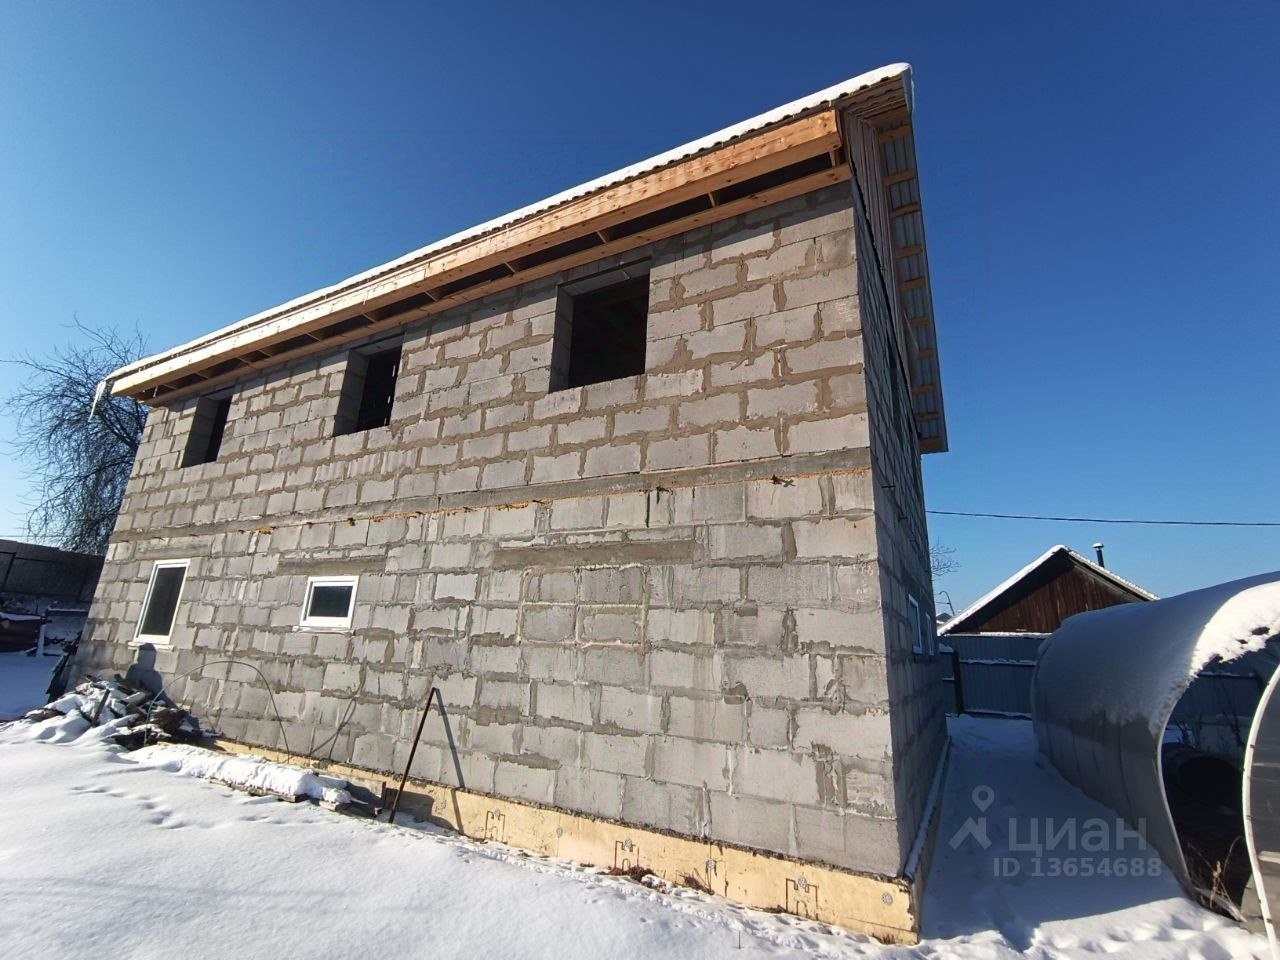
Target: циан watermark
1056	846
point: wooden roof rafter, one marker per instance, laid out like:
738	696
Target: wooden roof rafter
787	152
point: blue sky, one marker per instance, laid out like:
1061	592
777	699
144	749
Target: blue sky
1099	180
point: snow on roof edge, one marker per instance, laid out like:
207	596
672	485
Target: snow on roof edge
1031	568
726	135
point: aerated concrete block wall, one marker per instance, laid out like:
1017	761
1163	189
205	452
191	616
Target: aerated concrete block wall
671	599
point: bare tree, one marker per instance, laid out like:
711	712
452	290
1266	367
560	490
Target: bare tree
942	560
78	465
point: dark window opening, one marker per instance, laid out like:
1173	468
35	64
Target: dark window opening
368	390
208	427
601	329
330	601
162	601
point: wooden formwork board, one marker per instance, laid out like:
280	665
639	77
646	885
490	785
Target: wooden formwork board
884	907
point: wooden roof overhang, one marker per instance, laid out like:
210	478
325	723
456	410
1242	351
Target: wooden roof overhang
741	170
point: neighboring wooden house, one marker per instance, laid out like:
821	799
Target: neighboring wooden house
994	641
631	476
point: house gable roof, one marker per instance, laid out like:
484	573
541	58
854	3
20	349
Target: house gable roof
1010	591
794	149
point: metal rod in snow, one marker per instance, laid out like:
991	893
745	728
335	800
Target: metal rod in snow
422	722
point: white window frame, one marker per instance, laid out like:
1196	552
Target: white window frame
138	636
329	623
917	635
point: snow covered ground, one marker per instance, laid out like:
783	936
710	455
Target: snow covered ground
103	856
23	682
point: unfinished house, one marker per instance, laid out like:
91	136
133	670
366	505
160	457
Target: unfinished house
630	475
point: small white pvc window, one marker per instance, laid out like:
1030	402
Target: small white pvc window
924	642
330	602
160	607
917	632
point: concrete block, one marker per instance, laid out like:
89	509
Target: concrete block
706	719
658	386
741	443
676	452
694	764
694	586
764	678
554	743
675	321
736	371
578	513
743	306
680	627
615	753
702	281
719	504
547	623
768	727
566	466
664	805
786	326
589	791
611	585
867	735
787	259
835	537
342	677
680	670
793	497
610	625
551	586
535	784
723	408
493	738
741	540
627	510
548	662
581	430
571	703
823	627
776	775
456	586
512	521
751	822
647	419
614	665
794	399
789	584
609	458
628	710
840	433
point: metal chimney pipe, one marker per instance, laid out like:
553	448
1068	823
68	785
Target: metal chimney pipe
1098	549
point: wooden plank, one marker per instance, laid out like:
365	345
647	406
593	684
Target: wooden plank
733	208
801	139
882	907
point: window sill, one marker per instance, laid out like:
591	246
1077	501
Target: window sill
160	643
